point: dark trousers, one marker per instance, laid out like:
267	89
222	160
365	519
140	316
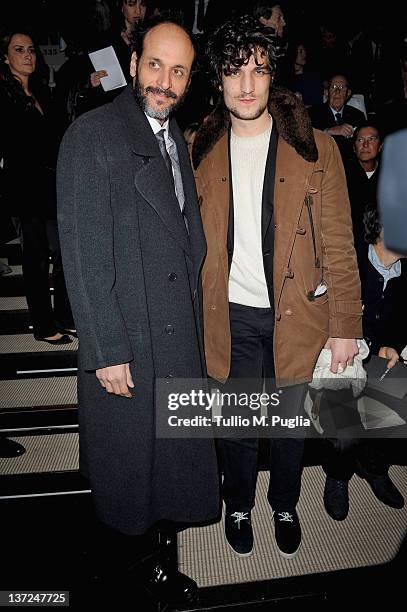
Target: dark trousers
40	242
342	454
252	359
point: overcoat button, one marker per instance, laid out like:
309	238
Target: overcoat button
288	312
172	277
223	179
168	378
282	179
301	230
213	307
290	274
169	329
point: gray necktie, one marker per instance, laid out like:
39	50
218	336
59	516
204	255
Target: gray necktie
172	163
164	152
179	187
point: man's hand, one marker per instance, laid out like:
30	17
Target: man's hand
391	354
345	129
96	76
116	379
343	351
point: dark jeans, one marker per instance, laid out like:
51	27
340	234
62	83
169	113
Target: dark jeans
252	358
41	241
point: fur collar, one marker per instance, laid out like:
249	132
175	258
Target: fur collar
291	117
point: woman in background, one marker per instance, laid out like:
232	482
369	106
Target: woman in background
95	26
297	75
28	146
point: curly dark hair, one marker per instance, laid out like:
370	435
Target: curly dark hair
234	42
371	221
11	85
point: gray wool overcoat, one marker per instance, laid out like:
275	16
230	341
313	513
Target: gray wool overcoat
132	273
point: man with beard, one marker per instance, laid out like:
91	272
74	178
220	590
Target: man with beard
280	278
133	246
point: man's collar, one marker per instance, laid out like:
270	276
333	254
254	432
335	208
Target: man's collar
387	272
371	172
335	112
156	126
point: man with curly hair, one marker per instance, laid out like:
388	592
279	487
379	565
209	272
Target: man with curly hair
280	278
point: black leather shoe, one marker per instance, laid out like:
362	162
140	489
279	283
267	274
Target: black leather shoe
287	530
383	487
5	269
63	340
239	533
9	448
168	585
70	332
336	498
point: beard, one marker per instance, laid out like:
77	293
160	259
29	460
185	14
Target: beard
247	117
141	95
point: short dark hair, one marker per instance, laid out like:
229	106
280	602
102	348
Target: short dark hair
367	124
121	2
234	42
371	222
264	8
140	32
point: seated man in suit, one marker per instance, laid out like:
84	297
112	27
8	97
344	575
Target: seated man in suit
337	118
383	277
362	172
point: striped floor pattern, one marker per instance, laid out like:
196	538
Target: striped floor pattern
370	535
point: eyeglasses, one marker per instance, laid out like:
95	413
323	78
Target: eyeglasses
336	87
361	140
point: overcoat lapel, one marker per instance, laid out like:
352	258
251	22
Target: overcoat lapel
152	180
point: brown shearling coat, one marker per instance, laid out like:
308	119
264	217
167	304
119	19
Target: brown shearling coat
309	182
